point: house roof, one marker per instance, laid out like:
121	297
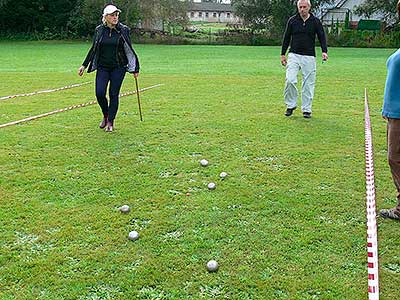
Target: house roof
213	7
335	5
340	3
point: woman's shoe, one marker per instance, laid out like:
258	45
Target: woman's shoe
110	126
392	213
103	123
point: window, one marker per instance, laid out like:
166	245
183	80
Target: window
192	14
214	15
228	15
200	14
206	14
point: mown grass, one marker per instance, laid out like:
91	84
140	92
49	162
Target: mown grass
288	222
210	27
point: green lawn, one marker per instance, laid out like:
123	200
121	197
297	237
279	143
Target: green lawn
287	223
210	27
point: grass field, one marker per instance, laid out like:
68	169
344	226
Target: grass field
210	27
287	223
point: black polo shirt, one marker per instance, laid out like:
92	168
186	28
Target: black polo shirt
108	54
301	35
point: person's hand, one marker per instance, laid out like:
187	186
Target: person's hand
283	60
324	56
81	70
385	118
136	75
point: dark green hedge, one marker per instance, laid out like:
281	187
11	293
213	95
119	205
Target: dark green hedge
365	39
346	38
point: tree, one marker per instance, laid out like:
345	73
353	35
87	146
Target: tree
174	12
78	18
3	2
347	20
170	12
35	16
256	14
385	8
271	15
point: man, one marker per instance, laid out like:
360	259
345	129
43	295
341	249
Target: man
300	34
391	112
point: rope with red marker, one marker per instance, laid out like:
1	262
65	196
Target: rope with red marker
372	229
45	91
71	108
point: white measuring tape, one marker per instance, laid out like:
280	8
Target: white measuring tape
72	107
45	91
372	232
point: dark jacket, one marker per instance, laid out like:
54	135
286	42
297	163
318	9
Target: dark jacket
301	35
92	57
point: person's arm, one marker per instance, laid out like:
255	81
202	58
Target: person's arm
137	66
286	41
286	37
322	39
89	56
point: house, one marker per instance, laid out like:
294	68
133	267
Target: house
339	9
212	12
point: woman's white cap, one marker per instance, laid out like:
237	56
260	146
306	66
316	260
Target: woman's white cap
109	9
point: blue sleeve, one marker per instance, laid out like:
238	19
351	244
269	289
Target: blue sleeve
391	102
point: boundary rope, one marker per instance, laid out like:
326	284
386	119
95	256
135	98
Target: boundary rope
45	91
71	108
372	230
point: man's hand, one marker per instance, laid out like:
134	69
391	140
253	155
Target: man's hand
283	60
136	75
81	70
324	56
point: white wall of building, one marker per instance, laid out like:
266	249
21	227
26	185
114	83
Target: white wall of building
214	17
340	13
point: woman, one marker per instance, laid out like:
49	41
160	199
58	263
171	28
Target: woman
391	112
111	55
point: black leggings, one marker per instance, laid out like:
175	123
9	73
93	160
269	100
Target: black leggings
114	77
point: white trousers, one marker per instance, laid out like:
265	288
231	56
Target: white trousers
308	68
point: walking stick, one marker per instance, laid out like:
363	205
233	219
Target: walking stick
138	99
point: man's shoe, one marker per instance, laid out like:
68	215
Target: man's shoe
110	126
307	115
103	123
390	214
289	111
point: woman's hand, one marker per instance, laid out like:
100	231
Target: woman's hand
81	70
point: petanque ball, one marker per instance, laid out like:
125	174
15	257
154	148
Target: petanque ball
133	235
212	266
